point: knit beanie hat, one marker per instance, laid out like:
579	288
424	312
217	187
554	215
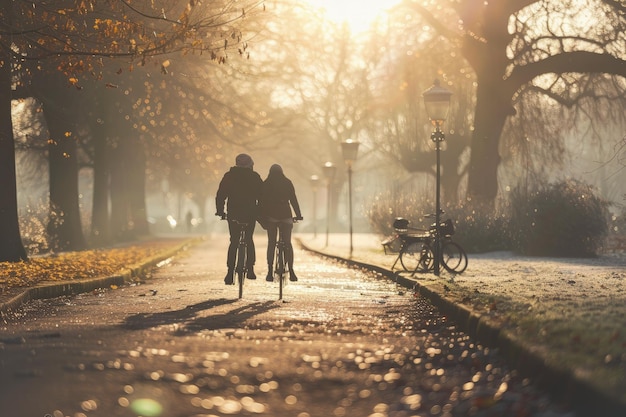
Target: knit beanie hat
244	160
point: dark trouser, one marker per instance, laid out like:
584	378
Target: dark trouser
285	233
234	229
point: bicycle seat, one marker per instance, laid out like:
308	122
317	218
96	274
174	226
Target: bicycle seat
401	225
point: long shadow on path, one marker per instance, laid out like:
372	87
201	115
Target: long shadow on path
190	319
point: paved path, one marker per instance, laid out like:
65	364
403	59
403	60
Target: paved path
345	342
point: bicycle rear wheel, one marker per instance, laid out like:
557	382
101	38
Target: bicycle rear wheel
453	257
279	269
281	286
417	257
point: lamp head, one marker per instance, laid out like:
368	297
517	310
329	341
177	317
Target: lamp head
329	170
437	102
350	148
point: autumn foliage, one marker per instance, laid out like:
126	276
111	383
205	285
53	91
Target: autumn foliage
70	266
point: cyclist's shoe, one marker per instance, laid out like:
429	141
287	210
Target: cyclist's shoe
292	276
270	276
229	278
251	274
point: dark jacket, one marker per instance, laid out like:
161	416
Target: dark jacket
240	188
277	193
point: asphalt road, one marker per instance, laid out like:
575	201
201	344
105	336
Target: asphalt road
342	342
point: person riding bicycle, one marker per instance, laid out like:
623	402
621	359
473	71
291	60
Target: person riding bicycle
278	197
240	189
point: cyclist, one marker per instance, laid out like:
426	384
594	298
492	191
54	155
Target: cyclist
239	189
278	197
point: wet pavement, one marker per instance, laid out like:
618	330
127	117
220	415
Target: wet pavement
342	342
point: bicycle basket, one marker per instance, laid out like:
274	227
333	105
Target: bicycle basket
401	225
447	228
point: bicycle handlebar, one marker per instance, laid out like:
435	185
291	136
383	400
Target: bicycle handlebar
223	216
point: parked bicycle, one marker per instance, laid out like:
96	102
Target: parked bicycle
241	264
417	247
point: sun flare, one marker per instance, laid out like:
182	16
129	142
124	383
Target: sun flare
358	14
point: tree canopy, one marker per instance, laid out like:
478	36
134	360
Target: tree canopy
76	38
569	51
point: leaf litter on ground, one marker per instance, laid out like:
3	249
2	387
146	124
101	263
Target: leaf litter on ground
93	263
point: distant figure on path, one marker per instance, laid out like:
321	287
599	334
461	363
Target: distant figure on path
239	189
278	196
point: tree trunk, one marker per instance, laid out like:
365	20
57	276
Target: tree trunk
489	120
11	246
64	227
449	186
137	180
100	225
128	198
120	192
333	214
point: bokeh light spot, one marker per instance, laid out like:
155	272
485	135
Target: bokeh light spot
146	407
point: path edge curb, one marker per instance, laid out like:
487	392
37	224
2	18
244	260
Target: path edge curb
560	382
128	275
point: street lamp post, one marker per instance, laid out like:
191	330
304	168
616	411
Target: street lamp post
314	183
329	173
437	103
349	149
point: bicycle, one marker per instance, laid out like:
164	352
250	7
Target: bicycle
241	260
417	247
280	262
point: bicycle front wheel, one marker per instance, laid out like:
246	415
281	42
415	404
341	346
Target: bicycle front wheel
453	257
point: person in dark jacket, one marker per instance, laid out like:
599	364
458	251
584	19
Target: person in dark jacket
278	197
240	189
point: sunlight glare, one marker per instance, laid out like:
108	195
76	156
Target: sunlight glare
358	14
